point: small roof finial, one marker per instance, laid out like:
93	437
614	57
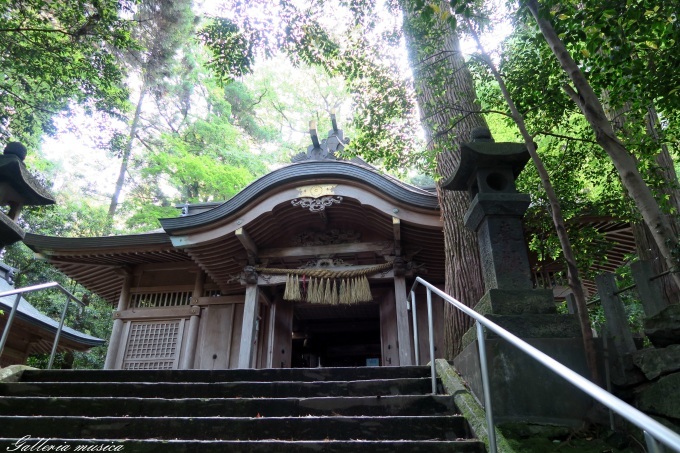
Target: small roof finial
334	122
313	134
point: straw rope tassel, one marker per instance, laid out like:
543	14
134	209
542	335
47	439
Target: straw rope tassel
313	291
365	289
334	294
342	296
358	297
289	284
327	292
321	290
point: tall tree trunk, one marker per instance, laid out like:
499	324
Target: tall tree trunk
447	100
573	275
584	97
127	152
646	247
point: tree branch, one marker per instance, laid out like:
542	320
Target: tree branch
566	137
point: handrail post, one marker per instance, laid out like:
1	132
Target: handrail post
56	337
486	387
415	327
430	326
652	445
10	319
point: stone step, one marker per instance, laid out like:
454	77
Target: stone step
266	446
249	375
233	407
443	427
279	389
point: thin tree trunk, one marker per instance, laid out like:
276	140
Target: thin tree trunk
127	152
574	279
644	241
447	100
583	95
646	247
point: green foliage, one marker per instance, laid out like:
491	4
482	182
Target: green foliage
233	52
243	103
384	124
205	155
56	53
162	28
612	55
622	48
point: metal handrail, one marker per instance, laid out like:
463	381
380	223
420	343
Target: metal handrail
654	431
29	289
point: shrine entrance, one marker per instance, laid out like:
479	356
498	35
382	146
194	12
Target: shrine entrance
336	335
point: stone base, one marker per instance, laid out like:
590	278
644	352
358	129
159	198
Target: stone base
523	390
531	325
661	397
517	302
663	329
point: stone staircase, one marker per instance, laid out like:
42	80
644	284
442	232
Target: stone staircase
376	409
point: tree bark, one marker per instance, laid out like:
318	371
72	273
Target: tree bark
582	94
449	111
573	276
127	152
646	247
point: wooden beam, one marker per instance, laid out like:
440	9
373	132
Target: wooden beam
248	244
380	248
396	227
184	311
219	300
273	280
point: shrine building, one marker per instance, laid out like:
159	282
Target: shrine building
308	266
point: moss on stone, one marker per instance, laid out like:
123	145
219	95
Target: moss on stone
469	407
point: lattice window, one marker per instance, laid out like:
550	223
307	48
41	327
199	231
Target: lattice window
164	299
149	366
153	345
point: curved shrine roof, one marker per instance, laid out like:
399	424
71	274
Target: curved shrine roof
308	172
366	201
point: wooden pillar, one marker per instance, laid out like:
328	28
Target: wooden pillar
403	330
388	330
250	314
115	339
191	342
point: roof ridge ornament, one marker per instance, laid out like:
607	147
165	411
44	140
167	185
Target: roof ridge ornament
326	148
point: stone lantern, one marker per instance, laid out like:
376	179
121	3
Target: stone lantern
522	389
488	171
18	188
